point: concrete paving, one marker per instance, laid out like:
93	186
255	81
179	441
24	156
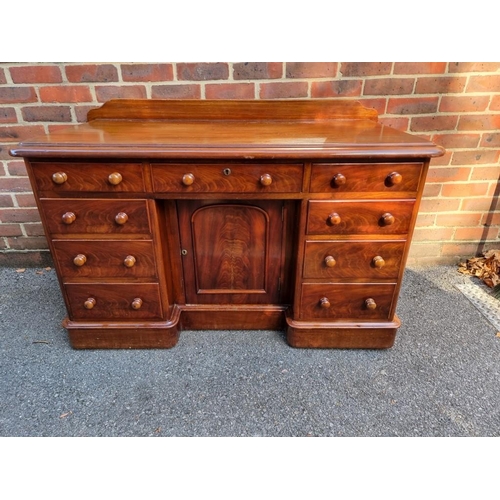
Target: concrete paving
441	378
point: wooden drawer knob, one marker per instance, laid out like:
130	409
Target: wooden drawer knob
187	179
330	261
334	219
59	177
136	303
80	260
266	180
129	261
339	180
394	178
324	303
121	218
370	304
115	178
378	261
387	219
68	218
89	303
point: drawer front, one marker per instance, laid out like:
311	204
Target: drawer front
365	177
96	216
353	259
114	301
226	178
359	217
105	259
356	302
95	177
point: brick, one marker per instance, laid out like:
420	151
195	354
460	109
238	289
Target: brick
8	115
484	83
490	219
46	113
465	189
431	190
147	72
81	112
476	233
32	243
434	233
2	77
106	92
26	200
454	140
425	220
490	140
388	86
202	71
448	174
470	67
17	133
230	91
414	68
257	70
459	220
6	200
35	74
10	230
11	95
65	93
429	123
176	91
474	156
377	103
280	90
485	173
311	69
19	215
495	103
91	73
365	68
412	105
16	168
460	249
395	122
479	122
476	204
439	205
336	88
463	104
423	250
14	184
440	85
35	229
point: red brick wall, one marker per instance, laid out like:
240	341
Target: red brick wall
456	105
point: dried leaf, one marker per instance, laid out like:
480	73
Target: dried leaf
486	268
498	334
48	269
21	270
39	272
64	415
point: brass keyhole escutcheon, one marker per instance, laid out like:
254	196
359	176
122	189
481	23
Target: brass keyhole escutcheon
227	171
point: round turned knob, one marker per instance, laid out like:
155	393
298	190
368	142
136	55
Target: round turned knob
330	261
394	178
387	219
129	261
378	261
187	179
334	219
339	180
121	218
80	260
266	180
324	303
370	304
89	303
60	177
115	178
68	218
136	303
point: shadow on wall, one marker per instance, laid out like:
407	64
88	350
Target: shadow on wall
489	219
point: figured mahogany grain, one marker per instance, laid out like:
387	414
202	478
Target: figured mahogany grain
359	217
353	259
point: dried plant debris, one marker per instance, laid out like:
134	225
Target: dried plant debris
486	268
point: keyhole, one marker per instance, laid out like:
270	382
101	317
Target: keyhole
227	171
184	252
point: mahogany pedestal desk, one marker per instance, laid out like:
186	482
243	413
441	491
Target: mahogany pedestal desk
171	215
